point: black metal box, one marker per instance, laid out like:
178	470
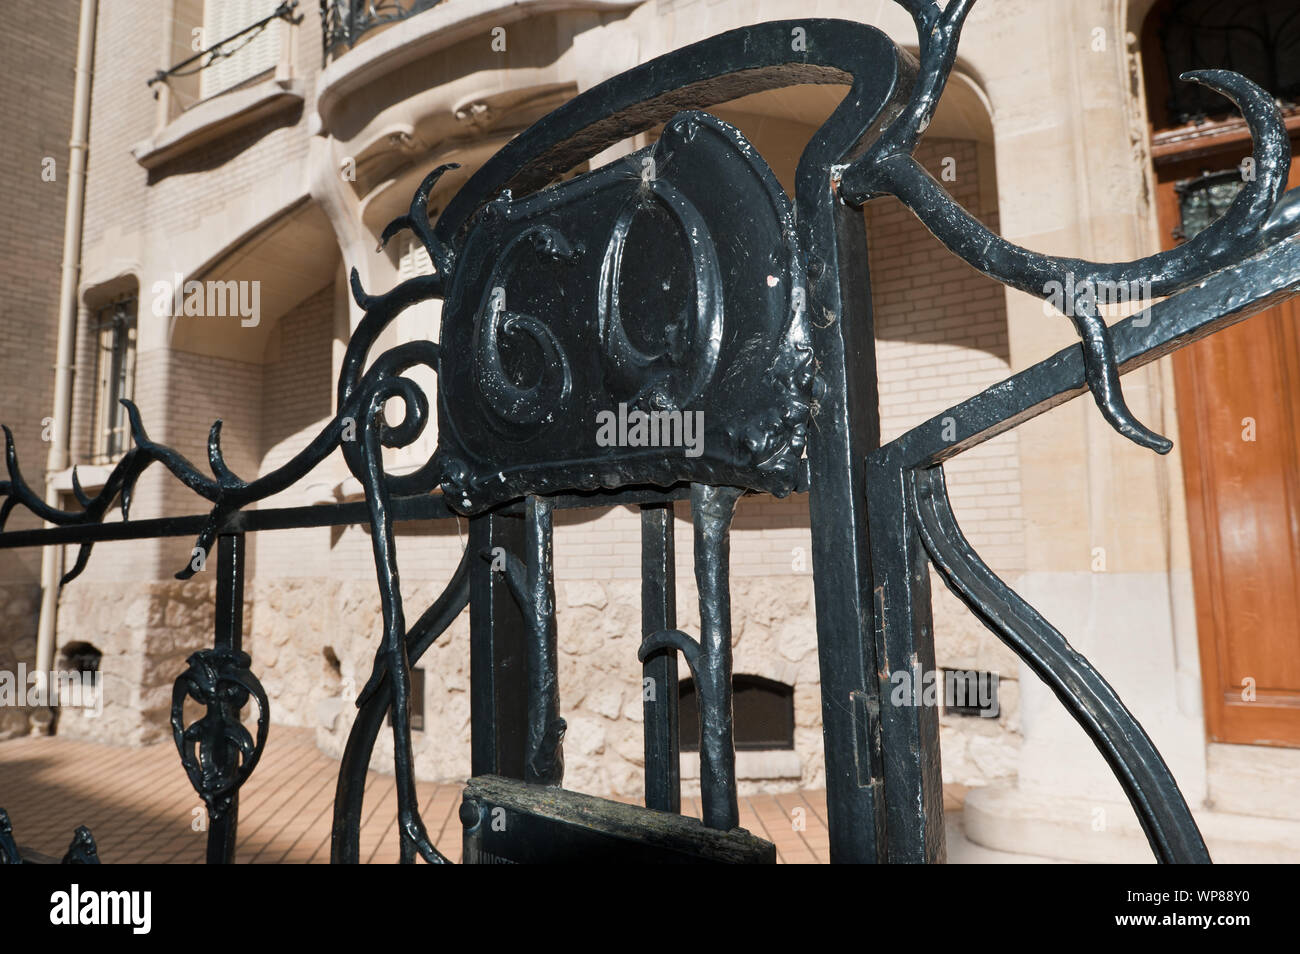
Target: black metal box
512	822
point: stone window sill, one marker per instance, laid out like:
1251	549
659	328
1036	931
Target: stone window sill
91	477
216	117
752	765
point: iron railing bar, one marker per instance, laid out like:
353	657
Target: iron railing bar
712	509
498	681
283	12
1125	745
405	509
531	581
663	788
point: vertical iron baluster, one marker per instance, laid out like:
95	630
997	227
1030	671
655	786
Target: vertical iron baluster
532	584
712	509
534	588
663	789
217	750
498	677
228	637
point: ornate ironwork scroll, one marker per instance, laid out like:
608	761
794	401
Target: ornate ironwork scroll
634	325
888	168
81	850
219	680
343	22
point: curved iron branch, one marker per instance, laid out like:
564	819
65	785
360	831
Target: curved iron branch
671	640
417	220
1147	781
373	702
888	168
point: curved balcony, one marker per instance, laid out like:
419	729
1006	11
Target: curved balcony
344	22
396	35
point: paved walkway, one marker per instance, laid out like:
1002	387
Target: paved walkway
140	807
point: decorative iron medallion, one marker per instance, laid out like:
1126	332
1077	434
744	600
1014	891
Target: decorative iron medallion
218	753
589	326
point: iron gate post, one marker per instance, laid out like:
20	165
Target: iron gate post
846	427
904	638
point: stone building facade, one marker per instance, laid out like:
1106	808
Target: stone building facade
37	116
284	171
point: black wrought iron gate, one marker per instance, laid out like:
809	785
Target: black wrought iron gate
772	344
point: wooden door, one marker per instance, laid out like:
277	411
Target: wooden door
1238	395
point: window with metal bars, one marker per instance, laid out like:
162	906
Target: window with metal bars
248	56
115	333
1258	38
1203	200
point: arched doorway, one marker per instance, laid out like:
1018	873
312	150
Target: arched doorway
1238	392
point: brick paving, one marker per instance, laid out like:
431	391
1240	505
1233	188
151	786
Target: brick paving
141	809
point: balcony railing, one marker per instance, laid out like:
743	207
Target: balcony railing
344	22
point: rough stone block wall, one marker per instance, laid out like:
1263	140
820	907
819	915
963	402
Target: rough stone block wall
20	605
145	632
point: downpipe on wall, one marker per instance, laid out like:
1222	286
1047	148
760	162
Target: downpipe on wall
52	556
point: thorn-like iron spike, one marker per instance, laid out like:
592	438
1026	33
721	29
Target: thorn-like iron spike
359	295
417	220
138	433
11	452
77	491
203	543
216	459
391	229
1102	373
83	557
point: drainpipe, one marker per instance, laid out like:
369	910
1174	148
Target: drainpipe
52	556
